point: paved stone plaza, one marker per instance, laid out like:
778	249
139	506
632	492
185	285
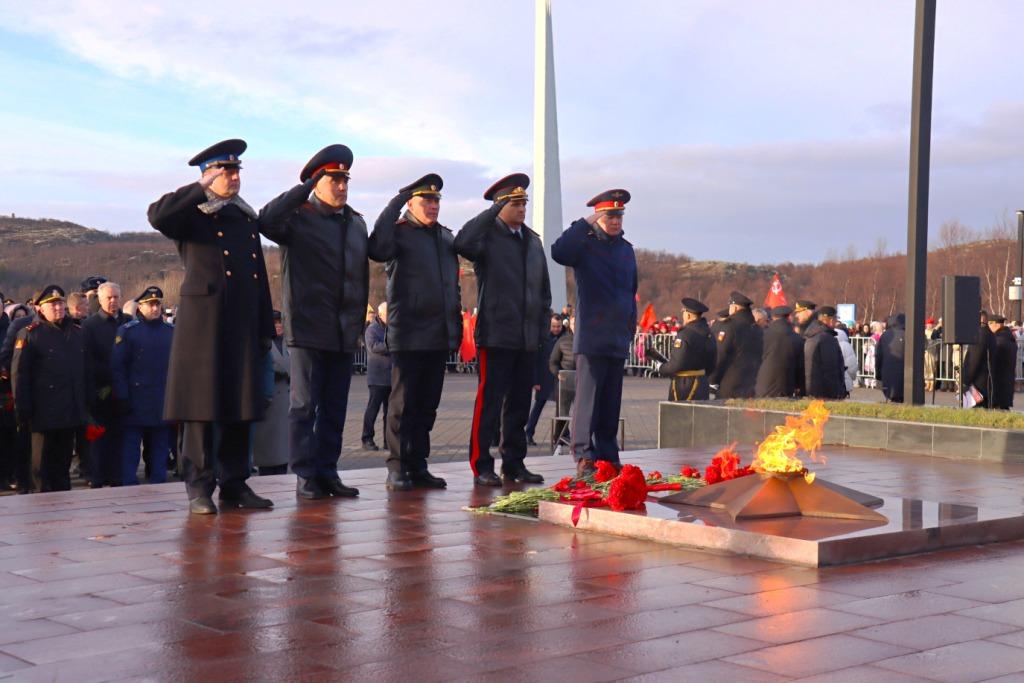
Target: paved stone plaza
122	584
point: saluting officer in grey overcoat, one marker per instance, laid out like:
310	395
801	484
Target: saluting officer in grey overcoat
222	329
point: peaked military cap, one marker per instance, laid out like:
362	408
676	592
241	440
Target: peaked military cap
827	311
997	319
613	202
152	293
694	306
49	294
724	313
511	187
92	282
224	153
739	298
804	305
276	316
332	160
781	311
428	186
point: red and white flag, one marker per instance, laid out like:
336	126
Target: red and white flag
775	297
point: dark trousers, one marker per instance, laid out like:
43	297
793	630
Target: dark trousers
504	386
378	402
104	455
417	378
157	442
540	399
318	402
22	454
51	459
595	412
214	454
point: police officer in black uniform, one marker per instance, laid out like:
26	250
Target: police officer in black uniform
739	342
326	284
693	356
514	303
424	323
223	328
50	378
138	367
782	358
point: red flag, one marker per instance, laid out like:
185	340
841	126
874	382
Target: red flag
775	297
648	318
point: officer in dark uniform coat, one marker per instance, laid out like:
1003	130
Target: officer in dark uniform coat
693	356
51	384
889	357
721	318
977	364
781	357
824	367
138	366
424	323
326	284
100	328
223	328
604	265
513	303
739	341
1004	363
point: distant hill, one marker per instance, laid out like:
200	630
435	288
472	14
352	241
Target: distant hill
36	252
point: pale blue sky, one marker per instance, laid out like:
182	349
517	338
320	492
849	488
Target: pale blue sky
758	130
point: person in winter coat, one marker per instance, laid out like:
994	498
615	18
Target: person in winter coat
378	376
1004	363
849	359
824	370
693	356
740	342
544	380
889	358
270	446
977	364
782	358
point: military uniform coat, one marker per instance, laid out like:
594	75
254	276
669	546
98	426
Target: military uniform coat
780	361
424	298
224	319
326	277
740	343
513	290
50	376
100	331
889	357
1004	368
824	370
138	368
692	361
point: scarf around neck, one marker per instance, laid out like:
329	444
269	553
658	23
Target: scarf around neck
214	203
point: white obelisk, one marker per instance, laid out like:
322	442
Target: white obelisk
547	183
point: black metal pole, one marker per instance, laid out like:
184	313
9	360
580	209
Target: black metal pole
1019	281
917	217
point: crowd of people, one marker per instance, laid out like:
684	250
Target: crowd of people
234	386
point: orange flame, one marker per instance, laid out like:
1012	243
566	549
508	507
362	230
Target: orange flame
804	432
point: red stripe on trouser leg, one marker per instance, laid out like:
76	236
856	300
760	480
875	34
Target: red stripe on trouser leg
478	407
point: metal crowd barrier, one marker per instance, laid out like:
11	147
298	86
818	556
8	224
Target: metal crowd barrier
946	358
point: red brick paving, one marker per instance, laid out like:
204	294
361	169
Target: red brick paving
121	584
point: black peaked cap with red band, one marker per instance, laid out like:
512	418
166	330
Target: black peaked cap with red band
612	202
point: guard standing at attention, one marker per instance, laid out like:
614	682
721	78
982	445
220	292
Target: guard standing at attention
740	342
604	265
424	323
514	304
693	356
49	373
138	367
222	331
326	284
782	357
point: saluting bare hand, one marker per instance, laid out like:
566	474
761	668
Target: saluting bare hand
207	179
593	218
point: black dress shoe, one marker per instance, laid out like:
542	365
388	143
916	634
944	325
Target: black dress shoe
244	498
486	479
530	441
332	486
425	480
309	489
522	476
398	481
203	505
370	446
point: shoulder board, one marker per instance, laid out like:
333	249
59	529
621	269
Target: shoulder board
355	212
131	323
529	230
401	221
627	241
32	325
444	227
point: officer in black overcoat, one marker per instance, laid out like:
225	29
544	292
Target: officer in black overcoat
824	367
424	323
739	341
1004	363
50	376
513	303
693	355
781	357
889	358
223	328
326	283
